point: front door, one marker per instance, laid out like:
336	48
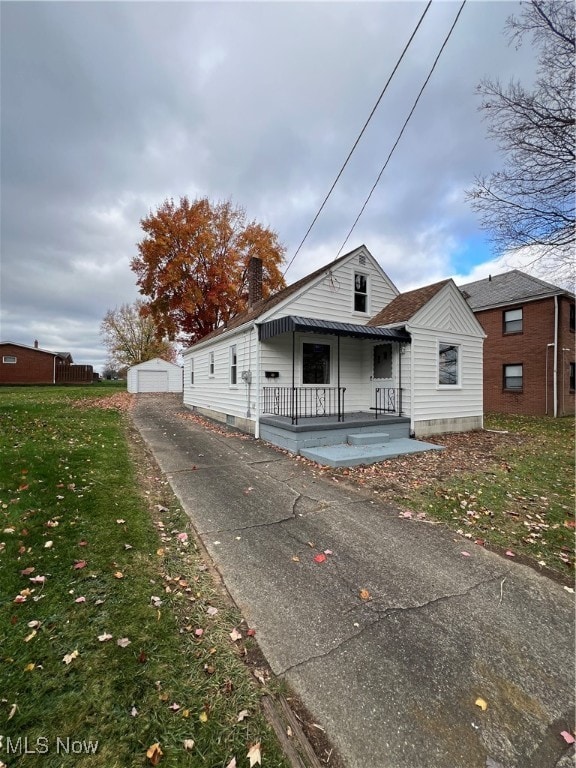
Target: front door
383	376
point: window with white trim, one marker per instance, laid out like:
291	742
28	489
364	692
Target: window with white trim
315	363
233	365
191	370
9	359
448	365
360	292
211	364
513	377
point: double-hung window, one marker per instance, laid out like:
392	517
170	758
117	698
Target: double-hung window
211	364
360	292
448	365
513	376
512	320
191	370
233	365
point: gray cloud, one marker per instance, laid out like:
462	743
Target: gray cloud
109	108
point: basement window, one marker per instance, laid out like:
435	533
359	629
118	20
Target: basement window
9	359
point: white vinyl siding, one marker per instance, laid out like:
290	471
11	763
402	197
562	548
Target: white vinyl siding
215	393
331	296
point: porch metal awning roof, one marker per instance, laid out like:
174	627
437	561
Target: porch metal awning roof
313	325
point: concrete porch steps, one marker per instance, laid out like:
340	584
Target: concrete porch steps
368	438
347	455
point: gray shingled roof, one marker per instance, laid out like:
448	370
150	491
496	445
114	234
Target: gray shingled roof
508	288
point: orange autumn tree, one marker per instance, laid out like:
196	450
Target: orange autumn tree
193	265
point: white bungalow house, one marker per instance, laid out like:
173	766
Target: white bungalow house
341	351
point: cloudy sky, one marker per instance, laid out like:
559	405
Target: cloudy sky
108	108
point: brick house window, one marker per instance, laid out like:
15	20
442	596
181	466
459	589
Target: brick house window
9	359
360	292
572	316
512	320
513	377
572	377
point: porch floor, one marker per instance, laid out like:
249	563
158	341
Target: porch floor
351	421
346	455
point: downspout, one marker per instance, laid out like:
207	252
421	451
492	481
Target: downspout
399	379
556	356
54	370
338	392
412	377
293	374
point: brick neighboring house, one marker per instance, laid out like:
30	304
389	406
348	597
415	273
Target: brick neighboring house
20	364
529	350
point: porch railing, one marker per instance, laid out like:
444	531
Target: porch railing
304	402
388	401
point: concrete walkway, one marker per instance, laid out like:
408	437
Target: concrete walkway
393	678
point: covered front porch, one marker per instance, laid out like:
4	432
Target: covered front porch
345	402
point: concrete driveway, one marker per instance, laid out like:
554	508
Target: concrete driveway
392	638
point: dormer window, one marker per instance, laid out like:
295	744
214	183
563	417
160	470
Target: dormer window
360	292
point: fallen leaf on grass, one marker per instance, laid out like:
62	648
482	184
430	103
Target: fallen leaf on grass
482	704
198	632
123	642
188	744
134	712
118	575
12	711
203	717
78	564
105	637
174	707
30	636
211	611
81	599
70	657
254	754
29	667
48	544
154	753
232	763
120	521
242	715
27	571
235	635
568	738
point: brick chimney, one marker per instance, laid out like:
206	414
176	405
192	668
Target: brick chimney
254	280
36	344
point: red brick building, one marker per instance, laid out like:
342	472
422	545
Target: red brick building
20	364
529	359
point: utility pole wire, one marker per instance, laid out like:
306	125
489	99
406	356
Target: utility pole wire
403	128
359	136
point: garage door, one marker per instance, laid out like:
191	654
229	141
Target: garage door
152	381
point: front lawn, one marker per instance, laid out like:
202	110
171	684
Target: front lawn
510	487
115	640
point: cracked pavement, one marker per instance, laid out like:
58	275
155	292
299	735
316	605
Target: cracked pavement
393	679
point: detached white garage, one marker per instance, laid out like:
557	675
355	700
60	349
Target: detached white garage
155	375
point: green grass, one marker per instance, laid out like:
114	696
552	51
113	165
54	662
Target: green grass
76	509
524	502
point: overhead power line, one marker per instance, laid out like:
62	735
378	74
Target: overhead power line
359	135
403	127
